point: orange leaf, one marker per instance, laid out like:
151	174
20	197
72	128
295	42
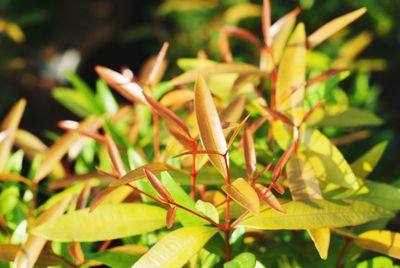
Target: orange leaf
211	134
76	253
177	97
158	68
10	125
164	194
328	29
130	90
171	216
269	198
14	177
241	191
242	34
115	156
224	47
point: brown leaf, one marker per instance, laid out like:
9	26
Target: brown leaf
269	198
211	134
159	66
187	143
242	34
10	125
114	155
177	97
83	197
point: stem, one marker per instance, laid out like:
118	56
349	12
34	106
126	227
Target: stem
193	175
227	211
244	214
342	252
104	246
156	136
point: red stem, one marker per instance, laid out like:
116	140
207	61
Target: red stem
156	136
227	211
193	175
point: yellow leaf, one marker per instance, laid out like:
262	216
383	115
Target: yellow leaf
364	165
211	134
176	248
236	13
328	29
292	71
321	238
241	191
384	242
10	124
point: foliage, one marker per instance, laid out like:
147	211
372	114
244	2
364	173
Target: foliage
196	169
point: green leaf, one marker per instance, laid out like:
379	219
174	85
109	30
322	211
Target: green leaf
327	161
182	198
364	165
381	194
176	248
113	259
377	262
105	98
83	88
244	260
73	101
107	222
208	210
343	116
316	214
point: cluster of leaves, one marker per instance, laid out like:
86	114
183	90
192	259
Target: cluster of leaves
197	169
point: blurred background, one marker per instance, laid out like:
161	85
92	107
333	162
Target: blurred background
41	40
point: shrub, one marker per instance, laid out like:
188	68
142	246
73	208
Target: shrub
223	165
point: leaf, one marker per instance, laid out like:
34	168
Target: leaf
171	217
279	32
54	154
343	116
30	250
138	173
316	214
167	114
10	124
113	259
269	198
211	134
105	98
328	29
234	14
130	90
381	194
177	97
303	183
14	177
164	194
130	249
243	260
208	210
381	241
364	165
327	161
176	248
241	191
74	101
249	152
292	71
220	68
115	157
107	222
182	198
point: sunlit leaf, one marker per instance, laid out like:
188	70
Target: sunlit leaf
208	210
241	191
236	13
130	90
316	214
364	165
333	26
292	72
211	133
243	260
269	198
10	124
177	97
176	248
327	161
343	116
14	177
249	152
381	241
109	221
74	101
